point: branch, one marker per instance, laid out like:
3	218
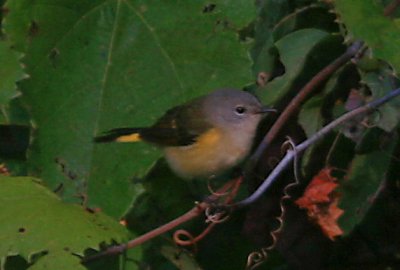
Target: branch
316	137
191	214
299	99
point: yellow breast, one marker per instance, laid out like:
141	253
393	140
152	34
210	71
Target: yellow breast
213	153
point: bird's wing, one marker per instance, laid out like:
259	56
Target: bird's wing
179	126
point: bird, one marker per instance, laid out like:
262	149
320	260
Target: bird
203	137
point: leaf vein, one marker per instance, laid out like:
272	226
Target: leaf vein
158	43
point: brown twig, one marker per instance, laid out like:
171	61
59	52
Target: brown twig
191	240
298	100
391	8
214	218
191	214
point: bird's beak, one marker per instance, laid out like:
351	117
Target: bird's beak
265	110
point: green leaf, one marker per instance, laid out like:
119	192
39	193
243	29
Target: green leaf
372	139
16	113
34	220
11	71
277	19
364	20
334	151
380	83
310	16
360	185
270	12
155	206
293	50
182	260
97	65
322	107
165	198
310	117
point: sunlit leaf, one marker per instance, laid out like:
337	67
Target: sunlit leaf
34	221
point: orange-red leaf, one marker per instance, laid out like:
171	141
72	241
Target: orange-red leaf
320	201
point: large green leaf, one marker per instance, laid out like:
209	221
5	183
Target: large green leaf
34	220
364	19
97	65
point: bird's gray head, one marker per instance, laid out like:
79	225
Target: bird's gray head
231	109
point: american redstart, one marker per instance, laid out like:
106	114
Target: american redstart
203	137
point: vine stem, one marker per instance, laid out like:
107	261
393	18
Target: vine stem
191	214
289	157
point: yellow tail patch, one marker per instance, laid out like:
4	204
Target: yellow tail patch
134	137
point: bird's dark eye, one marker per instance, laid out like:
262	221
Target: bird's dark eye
240	110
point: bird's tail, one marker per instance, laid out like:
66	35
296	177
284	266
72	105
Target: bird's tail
120	135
